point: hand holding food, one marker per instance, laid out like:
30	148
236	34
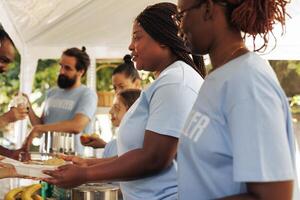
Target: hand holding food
7	170
76	160
92	140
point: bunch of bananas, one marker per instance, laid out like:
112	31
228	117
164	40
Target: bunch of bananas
24	193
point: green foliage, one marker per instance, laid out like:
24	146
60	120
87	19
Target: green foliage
104	74
288	73
105	69
45	78
9	84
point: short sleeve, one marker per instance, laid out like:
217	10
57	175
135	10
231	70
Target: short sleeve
261	150
169	108
87	104
110	149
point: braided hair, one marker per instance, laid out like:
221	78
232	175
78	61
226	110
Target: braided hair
256	17
157	21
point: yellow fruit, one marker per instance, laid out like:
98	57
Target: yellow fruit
85	135
54	161
37	197
26	195
13	193
95	135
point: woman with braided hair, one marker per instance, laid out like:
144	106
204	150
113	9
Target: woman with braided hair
149	131
238	141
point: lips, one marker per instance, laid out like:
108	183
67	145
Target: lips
3	69
134	57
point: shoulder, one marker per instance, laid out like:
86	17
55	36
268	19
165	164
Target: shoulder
52	91
88	91
177	72
247	72
180	75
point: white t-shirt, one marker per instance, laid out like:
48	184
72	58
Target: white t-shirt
239	131
162	108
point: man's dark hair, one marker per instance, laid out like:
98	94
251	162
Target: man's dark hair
82	58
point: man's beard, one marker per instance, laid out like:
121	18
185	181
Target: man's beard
64	82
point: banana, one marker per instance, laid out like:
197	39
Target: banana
13	193
37	197
26	195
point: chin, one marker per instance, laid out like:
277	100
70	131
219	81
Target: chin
138	67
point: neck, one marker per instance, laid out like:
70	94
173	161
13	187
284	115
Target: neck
164	64
226	48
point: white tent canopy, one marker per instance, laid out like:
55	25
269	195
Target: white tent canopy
44	28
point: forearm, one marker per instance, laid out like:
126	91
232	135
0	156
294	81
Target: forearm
276	190
34	119
129	166
3	121
62	126
4	151
97	161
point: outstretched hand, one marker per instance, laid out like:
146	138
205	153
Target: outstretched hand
67	176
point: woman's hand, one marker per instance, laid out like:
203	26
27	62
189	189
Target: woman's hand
76	160
94	142
19	154
16	113
67	176
36	131
7	170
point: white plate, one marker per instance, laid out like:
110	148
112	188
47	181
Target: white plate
32	170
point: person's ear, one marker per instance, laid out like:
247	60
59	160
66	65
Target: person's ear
209	10
81	72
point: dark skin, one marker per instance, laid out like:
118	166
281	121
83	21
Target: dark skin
223	43
135	164
157	151
7	56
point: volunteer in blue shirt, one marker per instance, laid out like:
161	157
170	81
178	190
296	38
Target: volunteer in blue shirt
148	134
238	141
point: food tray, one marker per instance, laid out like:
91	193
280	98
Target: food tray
32	170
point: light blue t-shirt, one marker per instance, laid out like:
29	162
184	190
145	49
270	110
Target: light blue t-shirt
110	149
239	131
162	108
65	104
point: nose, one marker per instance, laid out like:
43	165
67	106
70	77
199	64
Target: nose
131	46
61	71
